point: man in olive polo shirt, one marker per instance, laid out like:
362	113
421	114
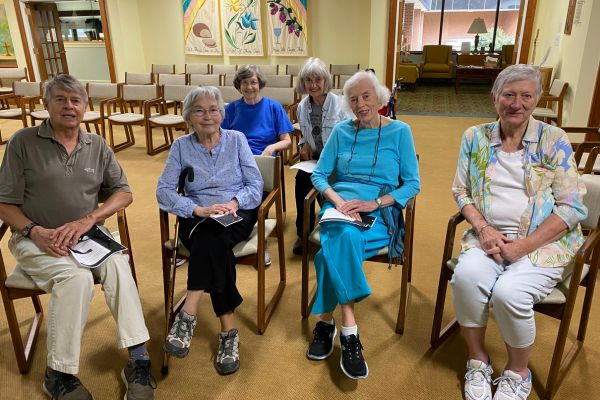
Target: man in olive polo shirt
51	178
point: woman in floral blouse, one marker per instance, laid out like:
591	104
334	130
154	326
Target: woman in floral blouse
517	185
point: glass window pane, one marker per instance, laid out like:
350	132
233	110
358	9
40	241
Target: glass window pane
420	24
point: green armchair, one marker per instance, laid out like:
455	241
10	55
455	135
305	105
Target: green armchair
436	62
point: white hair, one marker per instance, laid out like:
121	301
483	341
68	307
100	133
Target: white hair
382	92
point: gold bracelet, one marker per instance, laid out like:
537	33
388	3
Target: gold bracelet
482	228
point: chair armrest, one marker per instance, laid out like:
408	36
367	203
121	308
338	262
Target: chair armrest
549	98
266	205
154	102
308	201
30	100
589	164
453	222
584	147
590	248
104	104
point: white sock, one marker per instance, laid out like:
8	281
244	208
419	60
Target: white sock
329	322
350	330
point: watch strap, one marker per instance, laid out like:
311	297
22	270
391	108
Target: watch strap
27	230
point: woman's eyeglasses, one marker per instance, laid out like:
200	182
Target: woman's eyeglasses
202	112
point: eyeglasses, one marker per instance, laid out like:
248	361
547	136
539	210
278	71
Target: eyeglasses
201	111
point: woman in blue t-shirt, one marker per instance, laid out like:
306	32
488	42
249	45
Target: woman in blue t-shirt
264	121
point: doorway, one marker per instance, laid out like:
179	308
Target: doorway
66	37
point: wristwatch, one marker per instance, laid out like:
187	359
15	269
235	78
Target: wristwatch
27	230
379	202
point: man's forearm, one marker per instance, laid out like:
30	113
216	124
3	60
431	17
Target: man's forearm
13	216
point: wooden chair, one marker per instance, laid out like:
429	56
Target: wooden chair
342	80
197	69
139	78
158	69
33	97
131	94
204	80
98	93
279	81
18	285
342	69
311	243
292	69
172	80
25	95
561	302
549	113
585	141
223	69
229	93
163	119
228	80
269	69
249	252
7	77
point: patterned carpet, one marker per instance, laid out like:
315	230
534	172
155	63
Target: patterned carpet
472	100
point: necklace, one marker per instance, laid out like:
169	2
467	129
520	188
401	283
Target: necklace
376	152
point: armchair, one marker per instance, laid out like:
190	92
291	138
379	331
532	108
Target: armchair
436	62
556	95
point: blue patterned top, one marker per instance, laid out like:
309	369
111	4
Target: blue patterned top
228	171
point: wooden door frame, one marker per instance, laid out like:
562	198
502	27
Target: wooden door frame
594	118
105	30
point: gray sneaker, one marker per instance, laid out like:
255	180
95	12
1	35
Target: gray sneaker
180	336
139	383
267	258
61	386
228	355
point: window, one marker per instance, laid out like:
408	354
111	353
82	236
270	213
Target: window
449	22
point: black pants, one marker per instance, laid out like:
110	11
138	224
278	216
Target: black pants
303	186
211	266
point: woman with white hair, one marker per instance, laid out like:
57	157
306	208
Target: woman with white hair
226	181
317	115
517	185
375	166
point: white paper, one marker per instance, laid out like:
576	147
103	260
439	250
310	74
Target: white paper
89	252
306	166
332	213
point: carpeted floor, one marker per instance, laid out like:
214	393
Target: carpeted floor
439	98
274	366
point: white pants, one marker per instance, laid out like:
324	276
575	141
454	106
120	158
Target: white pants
511	290
72	289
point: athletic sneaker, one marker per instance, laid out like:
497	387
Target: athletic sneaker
228	354
322	343
478	381
267	258
139	383
61	386
352	361
511	386
180	336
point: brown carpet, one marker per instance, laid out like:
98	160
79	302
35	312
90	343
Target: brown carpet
274	366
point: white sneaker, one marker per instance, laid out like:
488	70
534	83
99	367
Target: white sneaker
478	381
511	386
267	258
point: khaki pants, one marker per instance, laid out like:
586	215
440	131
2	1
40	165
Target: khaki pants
72	288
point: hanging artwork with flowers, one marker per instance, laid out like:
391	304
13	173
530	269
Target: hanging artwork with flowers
242	31
287	33
201	27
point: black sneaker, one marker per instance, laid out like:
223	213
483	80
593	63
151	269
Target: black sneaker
352	361
139	383
61	386
322	344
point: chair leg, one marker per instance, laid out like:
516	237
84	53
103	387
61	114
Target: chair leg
404	290
438	335
23	352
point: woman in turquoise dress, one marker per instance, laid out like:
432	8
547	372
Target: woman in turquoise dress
374	164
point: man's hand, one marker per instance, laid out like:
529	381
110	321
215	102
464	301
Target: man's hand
68	235
305	152
44	239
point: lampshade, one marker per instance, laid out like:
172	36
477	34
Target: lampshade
477	26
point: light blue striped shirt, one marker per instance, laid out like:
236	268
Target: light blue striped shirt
229	171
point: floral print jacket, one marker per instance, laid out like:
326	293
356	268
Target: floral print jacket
551	179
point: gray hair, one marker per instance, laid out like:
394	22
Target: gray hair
518	72
313	67
68	83
199	92
248	71
382	92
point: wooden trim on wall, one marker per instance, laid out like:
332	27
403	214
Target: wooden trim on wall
527	30
391	43
594	119
19	15
107	41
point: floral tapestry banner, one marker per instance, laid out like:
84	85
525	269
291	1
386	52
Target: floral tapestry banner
242	31
201	27
287	33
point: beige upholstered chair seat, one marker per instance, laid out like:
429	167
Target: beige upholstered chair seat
11	113
241	249
5	90
167	119
40	114
127	118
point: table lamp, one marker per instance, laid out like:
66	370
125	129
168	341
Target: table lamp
477	27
